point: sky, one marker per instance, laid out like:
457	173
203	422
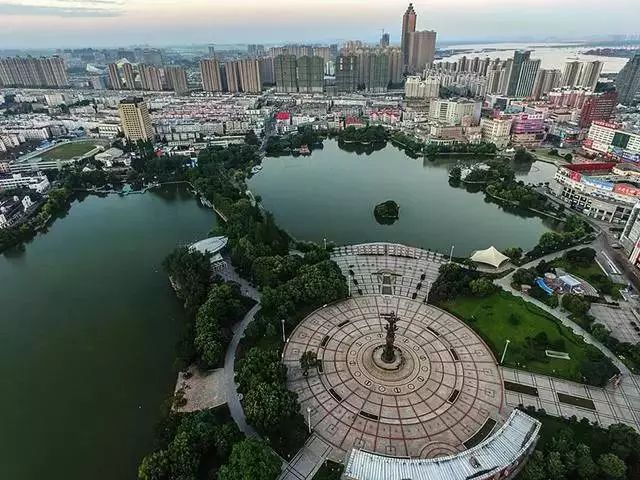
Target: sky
106	23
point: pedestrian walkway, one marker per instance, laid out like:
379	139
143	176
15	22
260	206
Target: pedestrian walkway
609	405
308	460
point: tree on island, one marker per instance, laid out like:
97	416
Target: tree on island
387	212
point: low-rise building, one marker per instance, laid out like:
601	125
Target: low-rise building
613	142
38	182
496	131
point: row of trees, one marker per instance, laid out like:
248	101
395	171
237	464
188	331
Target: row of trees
371	134
575	229
284	145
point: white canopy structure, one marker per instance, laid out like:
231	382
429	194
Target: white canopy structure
490	256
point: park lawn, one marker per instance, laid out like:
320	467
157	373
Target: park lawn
67	151
590	274
489	317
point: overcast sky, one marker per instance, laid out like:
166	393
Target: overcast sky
72	23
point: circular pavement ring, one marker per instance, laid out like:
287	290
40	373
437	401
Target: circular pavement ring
443	389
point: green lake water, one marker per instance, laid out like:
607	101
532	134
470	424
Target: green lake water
88	327
331	194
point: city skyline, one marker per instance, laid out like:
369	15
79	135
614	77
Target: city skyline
75	23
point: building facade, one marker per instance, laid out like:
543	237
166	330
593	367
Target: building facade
628	81
136	122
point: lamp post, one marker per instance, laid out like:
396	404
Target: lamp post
284	337
451	253
506	345
309	416
325	242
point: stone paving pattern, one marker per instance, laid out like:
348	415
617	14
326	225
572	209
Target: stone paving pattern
447	388
618	320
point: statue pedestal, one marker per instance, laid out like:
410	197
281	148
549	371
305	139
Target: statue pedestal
380	363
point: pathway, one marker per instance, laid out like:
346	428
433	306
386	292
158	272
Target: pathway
305	464
612	404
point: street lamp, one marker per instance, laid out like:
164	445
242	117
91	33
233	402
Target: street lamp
506	345
284	337
451	253
309	416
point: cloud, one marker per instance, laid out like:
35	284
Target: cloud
62	8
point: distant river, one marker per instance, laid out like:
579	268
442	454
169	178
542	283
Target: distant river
331	194
551	55
88	327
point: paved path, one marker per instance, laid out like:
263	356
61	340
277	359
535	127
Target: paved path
306	463
612	404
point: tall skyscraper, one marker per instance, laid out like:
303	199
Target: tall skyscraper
212	51
33	72
590	74
422	50
310	74
395	65
136	122
408	27
628	81
210	72
231	72
347	73
527	78
177	79
114	77
546	80
384	40
376	71
519	57
249	75
150	77
285	72
129	76
570	74
267	74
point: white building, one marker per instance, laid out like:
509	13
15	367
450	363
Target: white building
496	131
610	139
415	87
39	183
455	111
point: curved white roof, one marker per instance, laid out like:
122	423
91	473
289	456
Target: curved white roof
490	256
210	245
501	451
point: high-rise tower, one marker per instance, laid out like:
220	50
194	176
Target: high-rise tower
628	81
408	27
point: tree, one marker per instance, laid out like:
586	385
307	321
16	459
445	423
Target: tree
568	157
268	405
555	467
251	459
251	138
624	441
612	467
482	287
154	466
260	366
535	467
514	253
585	466
308	360
575	304
190	272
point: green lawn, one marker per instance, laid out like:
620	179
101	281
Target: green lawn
67	151
493	318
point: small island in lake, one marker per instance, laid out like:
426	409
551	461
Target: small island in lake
387	212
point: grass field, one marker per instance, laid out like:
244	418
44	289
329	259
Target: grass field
67	151
502	316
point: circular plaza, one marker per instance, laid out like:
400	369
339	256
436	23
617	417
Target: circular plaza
431	388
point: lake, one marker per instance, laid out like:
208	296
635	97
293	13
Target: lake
88	329
331	194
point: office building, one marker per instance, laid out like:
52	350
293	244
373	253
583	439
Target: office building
408	27
129	76
114	77
177	79
546	80
150	77
612	141
310	74
135	119
249	75
519	58
598	107
422	50
210	72
285	73
384	40
33	72
628	81
522	75
347	73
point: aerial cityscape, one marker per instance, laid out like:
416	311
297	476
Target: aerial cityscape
320	241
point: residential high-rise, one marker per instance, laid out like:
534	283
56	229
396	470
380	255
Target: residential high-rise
347	73
152	56
384	40
212	51
232	80
210	72
395	65
590	74
598	107
376	72
546	80
324	52
267	74
519	57
422	50
285	72
114	77
150	77
527	78
136	122
177	79
33	72
408	27
255	50
129	76
415	87
570	74
628	81
249	75
310	74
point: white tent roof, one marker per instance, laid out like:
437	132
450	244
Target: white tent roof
570	281
490	256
